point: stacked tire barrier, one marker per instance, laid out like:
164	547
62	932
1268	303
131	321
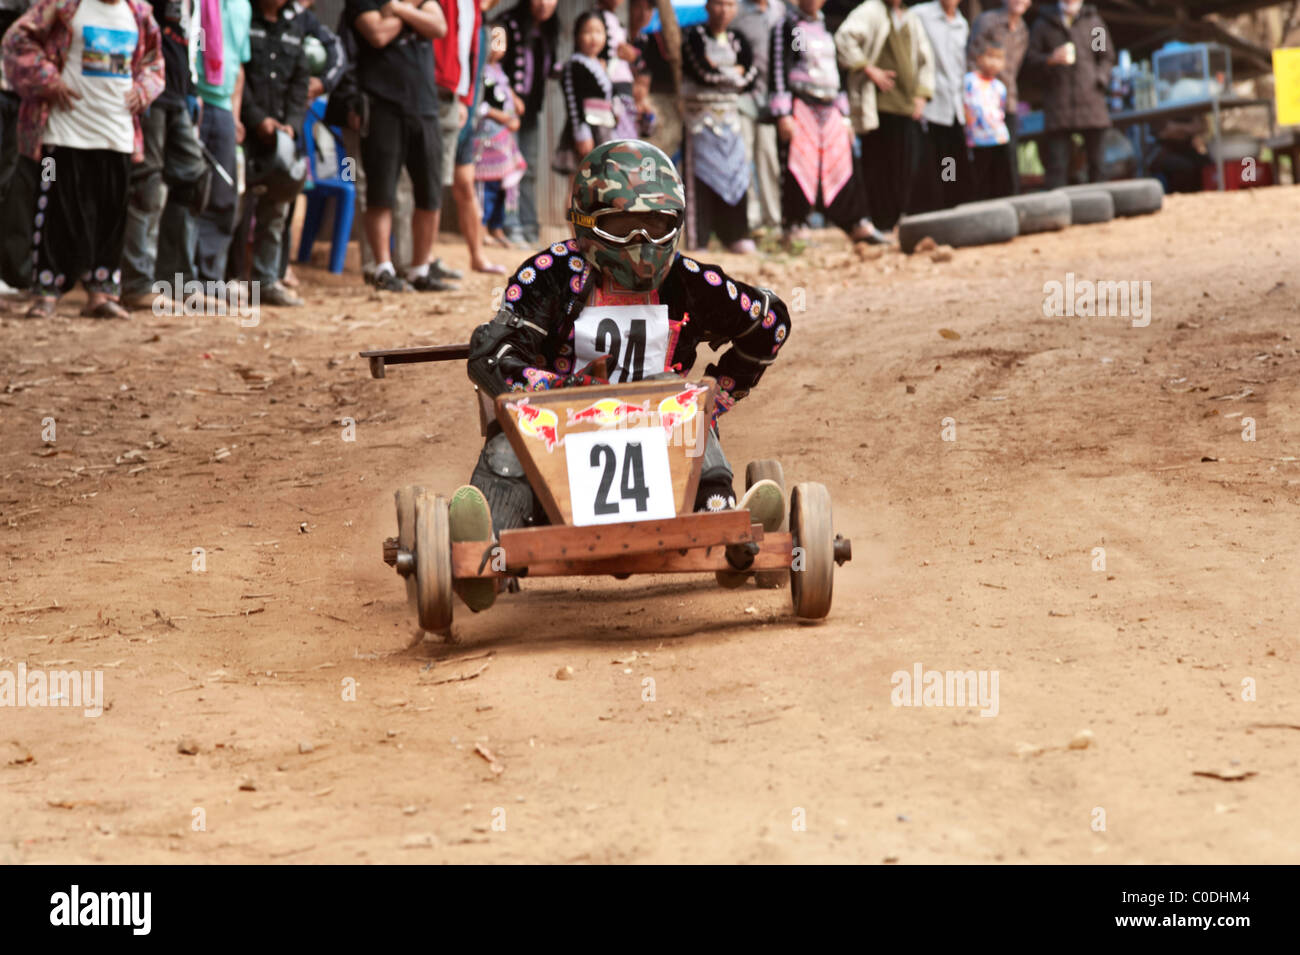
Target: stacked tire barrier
1001	220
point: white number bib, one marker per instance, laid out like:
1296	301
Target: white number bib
634	336
619	475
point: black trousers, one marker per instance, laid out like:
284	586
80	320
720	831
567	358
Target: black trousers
991	172
1013	128
1057	149
80	220
889	157
943	171
847	209
712	214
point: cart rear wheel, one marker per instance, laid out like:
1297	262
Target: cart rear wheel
405	498
812	570
755	472
433	562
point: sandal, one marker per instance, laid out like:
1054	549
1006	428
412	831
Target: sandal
105	309
491	268
41	308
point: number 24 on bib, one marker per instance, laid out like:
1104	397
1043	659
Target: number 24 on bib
634	336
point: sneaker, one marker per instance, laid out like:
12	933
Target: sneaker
470	519
277	294
765	502
865	231
440	271
387	281
431	283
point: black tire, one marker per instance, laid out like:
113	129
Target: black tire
1089	206
812	573
757	471
1041	211
1132	197
979	223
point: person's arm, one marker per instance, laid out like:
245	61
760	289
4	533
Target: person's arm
146	65
295	110
378	28
30	72
335	59
501	351
925	74
424	18
740	323
747	72
236	104
581	132
781	102
1105	57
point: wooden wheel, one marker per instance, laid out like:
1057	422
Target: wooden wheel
405	498
755	472
812	570
432	562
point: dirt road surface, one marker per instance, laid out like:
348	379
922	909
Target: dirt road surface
768	740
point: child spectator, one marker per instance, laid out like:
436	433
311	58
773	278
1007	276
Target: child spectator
532	36
985	98
85	71
499	165
591	112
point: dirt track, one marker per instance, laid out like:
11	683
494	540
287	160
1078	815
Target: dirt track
973	554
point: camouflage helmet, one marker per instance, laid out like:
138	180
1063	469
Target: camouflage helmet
628	176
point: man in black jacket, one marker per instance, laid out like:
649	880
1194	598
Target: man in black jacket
274	103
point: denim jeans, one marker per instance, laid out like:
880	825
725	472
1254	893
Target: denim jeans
216	226
171	156
522	225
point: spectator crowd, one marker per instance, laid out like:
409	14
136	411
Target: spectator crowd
145	140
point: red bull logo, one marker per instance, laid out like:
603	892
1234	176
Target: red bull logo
537	422
681	407
607	412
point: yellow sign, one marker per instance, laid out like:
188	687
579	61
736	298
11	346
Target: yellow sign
1286	86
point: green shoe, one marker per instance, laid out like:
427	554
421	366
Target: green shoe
766	504
470	518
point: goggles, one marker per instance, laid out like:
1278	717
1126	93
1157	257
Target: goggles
623	228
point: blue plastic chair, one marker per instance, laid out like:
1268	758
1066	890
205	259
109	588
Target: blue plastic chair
322	186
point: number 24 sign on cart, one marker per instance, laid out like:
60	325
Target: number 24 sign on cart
617	476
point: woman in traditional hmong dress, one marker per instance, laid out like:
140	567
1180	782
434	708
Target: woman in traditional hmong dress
717	67
591	110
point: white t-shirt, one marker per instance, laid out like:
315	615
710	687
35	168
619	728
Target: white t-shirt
98	67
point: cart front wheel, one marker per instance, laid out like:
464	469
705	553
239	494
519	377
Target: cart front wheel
433	562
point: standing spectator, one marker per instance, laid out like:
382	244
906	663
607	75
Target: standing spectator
274	104
654	85
532	32
17	198
943	173
85	71
755	21
454	56
620	56
1071	52
1005	28
499	165
816	142
717	68
985	101
173	171
322	78
221	87
890	65
590	115
396	77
